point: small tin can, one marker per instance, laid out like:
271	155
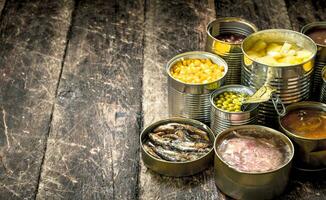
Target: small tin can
320	60
252	185
221	119
323	88
292	82
192	100
310	152
177	169
230	52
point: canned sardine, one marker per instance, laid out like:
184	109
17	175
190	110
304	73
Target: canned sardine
317	32
224	38
190	83
183	158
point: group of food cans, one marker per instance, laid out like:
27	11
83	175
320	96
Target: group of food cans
237	42
209	88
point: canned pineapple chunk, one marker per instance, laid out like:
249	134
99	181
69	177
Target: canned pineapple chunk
197	71
278	54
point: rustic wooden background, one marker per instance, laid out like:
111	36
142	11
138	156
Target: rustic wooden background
79	80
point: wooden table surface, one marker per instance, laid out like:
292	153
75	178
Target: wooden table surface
80	79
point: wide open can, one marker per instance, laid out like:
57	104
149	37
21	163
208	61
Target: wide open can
323	88
320	60
292	82
192	100
230	52
221	119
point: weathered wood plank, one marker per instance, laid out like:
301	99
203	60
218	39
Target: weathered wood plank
265	14
171	27
306	189
93	146
2	4
302	12
32	38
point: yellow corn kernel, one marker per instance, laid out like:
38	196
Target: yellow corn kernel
208	62
197	62
197	71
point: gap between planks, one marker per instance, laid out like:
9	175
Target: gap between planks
68	35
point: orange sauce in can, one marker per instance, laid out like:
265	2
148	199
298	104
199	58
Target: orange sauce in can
307	123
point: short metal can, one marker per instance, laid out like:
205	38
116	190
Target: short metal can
230	52
177	169
320	60
252	185
192	100
221	119
310	152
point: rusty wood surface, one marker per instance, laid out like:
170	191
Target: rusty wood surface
302	12
92	150
264	14
33	39
2	4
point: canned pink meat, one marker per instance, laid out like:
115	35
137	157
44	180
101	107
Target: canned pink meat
253	154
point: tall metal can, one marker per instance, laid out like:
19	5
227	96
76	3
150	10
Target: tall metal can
230	52
221	119
323	88
192	100
292	82
320	60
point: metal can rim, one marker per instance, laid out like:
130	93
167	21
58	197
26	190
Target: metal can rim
295	106
273	131
323	74
312	25
177	120
279	30
201	53
212	96
230	19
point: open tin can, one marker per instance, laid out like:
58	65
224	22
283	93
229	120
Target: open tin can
221	119
320	60
323	88
252	185
192	100
292	82
176	169
229	51
310	152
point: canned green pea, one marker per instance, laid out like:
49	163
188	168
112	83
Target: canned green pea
226	107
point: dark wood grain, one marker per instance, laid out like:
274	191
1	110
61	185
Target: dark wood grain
302	12
93	146
172	27
32	38
265	14
2	4
306	187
